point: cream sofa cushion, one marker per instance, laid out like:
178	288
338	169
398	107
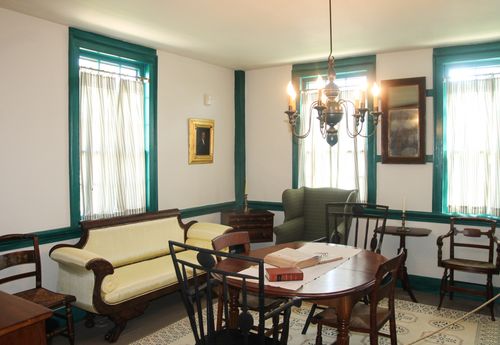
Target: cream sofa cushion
125	244
140	278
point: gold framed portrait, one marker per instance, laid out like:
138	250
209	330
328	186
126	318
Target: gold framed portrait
201	141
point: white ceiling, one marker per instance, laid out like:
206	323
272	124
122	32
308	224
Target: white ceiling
245	34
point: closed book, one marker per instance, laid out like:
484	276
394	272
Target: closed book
284	274
289	257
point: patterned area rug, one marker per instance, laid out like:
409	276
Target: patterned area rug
413	321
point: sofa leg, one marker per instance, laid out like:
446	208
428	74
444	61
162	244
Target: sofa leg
120	321
114	333
90	320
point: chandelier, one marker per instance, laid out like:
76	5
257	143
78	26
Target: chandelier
331	108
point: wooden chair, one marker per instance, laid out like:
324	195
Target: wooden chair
480	241
39	295
372	317
360	218
344	218
198	299
239	242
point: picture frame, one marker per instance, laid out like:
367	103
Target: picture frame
201	141
403	121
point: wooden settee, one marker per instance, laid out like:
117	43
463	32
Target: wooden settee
120	264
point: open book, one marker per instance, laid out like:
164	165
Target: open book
289	257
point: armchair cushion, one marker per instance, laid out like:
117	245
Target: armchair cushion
305	212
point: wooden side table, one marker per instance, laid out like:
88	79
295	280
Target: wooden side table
411	232
258	223
22	321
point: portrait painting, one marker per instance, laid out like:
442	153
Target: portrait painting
201	141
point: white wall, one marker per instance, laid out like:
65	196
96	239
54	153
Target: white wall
182	85
34	172
34	181
269	158
268	137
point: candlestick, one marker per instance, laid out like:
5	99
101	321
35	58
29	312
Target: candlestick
245	204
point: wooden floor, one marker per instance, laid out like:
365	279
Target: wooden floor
170	309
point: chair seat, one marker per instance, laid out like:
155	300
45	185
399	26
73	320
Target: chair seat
253	302
467	264
360	317
47	298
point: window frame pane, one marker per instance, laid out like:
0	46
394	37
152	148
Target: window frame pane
82	43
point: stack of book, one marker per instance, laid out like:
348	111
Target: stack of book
289	262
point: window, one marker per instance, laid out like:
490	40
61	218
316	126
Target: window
349	164
467	150
112	127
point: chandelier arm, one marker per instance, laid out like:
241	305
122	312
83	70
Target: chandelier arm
304	135
351	134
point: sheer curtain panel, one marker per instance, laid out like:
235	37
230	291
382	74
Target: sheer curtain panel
472	145
112	150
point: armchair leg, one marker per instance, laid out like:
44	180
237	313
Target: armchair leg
489	295
309	317
443	288
69	324
452	282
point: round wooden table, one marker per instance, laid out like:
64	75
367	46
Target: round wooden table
341	287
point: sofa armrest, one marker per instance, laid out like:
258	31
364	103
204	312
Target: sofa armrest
289	231
202	234
73	256
84	275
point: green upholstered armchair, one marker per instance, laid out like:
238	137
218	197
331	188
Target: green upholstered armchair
305	212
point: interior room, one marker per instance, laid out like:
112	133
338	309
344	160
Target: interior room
216	74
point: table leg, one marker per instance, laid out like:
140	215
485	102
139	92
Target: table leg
403	272
344	309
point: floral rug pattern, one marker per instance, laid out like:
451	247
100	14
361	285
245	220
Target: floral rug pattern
413	321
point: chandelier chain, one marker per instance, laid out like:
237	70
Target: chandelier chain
331	36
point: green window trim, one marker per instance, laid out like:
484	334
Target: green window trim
365	64
79	42
443	59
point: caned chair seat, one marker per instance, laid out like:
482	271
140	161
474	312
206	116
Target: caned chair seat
360	317
47	298
463	264
253	302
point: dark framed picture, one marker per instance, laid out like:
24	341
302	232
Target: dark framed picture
403	121
201	141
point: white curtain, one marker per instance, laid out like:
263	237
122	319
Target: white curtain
112	154
472	145
341	166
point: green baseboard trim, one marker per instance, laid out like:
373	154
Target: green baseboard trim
266	205
207	209
432	285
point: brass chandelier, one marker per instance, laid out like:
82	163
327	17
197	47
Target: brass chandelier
331	108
